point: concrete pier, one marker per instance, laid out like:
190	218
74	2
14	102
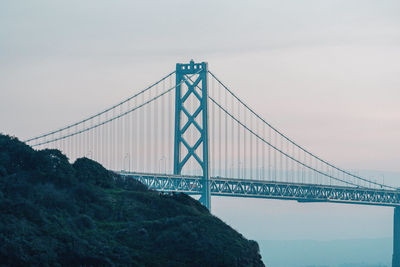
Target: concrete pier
396	238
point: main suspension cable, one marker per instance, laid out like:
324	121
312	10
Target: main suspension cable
295	144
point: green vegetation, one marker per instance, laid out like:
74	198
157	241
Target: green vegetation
57	214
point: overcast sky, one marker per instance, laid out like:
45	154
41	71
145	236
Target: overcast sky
326	73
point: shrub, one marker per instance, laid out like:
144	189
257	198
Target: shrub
89	171
15	155
84	221
53	166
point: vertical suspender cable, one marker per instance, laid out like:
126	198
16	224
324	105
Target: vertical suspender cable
85	141
219	134
114	139
286	162
77	143
170	133
129	136
293	166
137	136
156	130
257	152
150	146
275	160
251	148
100	142
263	153
213	136
269	154
120	158
245	146
226	135
232	141
106	150
281	176
238	140
162	130
109	138
142	139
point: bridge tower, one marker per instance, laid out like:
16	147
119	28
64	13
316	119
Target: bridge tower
396	238
191	79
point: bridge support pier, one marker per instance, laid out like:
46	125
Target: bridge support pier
396	238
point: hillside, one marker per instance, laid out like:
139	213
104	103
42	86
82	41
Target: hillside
54	213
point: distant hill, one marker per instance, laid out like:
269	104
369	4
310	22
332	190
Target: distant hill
54	213
337	253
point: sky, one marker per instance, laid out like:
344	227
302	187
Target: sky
326	73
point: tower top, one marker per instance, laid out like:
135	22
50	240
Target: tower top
191	67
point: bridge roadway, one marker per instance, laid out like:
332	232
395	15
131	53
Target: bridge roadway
300	192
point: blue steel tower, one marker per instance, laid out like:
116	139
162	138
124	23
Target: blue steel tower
192	79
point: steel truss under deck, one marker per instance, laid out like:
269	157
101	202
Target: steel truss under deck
269	189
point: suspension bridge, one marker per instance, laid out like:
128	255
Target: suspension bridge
188	132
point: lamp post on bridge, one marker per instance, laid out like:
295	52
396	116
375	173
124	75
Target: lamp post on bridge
127	156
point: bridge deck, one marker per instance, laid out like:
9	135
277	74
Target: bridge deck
269	189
